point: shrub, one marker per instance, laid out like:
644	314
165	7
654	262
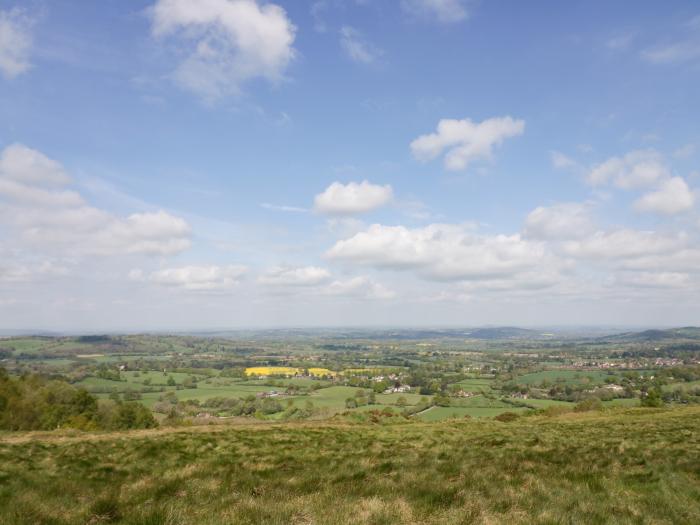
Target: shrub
592	403
506	417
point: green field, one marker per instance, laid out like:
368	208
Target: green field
203	393
439	413
683	386
566	377
475	385
628	466
543	403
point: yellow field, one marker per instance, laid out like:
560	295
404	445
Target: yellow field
286	371
321	372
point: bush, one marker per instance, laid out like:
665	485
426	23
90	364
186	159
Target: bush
592	403
653	399
507	417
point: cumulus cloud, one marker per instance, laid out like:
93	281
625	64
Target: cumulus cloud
17	273
361	287
673	196
444	11
624	243
465	141
195	278
653	279
23	164
352	198
229	42
569	220
444	252
357	47
679	258
15	42
38	206
284	276
636	169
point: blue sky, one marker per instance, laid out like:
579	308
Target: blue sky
223	163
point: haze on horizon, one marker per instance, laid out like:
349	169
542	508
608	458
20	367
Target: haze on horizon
167	164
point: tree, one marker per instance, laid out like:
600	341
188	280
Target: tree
171	381
652	399
401	402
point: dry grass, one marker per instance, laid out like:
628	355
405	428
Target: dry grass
626	466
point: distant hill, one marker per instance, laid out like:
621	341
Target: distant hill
504	332
669	334
484	333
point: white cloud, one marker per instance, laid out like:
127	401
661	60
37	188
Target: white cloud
685	151
561	221
624	243
678	258
356	46
465	141
229	41
15	42
24	164
283	207
653	279
444	11
444	252
352	198
283	276
196	278
16	273
636	169
561	161
39	208
361	287
620	42
318	10
674	53
673	196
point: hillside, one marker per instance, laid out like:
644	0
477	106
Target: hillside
503	332
633	466
657	335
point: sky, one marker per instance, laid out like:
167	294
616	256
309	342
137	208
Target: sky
213	164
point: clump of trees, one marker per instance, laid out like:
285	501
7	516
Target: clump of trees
33	402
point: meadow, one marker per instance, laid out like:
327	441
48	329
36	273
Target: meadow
567	377
616	466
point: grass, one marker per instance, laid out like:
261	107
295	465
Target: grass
440	413
203	392
544	403
566	377
683	386
476	385
625	466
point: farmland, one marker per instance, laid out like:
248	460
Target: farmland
307	376
280	429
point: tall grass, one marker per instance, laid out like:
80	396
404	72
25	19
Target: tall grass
624	466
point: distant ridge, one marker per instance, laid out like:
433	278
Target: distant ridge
504	332
683	333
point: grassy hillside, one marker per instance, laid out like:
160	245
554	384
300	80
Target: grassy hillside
626	466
